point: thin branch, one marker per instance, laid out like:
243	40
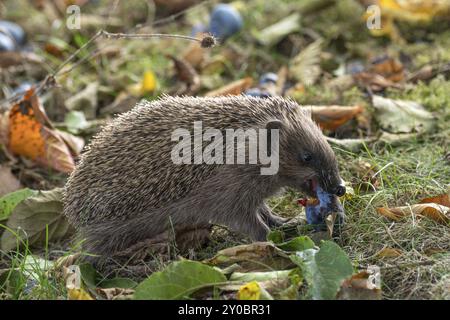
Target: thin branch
50	80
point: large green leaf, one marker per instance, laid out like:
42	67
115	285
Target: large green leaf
324	269
178	281
30	218
9	201
297	244
92	279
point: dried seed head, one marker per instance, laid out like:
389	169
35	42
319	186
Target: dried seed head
208	41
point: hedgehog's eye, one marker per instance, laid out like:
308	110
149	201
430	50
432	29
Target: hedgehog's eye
306	157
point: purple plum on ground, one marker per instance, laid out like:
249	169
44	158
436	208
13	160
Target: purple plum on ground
224	21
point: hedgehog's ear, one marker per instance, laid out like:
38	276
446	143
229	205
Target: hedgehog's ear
274	124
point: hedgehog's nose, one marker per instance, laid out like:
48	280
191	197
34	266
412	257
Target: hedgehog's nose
339	190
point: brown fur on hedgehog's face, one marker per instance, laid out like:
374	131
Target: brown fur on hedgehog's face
307	160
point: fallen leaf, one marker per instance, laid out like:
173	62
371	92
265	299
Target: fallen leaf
74	284
148	84
389	253
14	58
31	218
305	67
194	54
116	293
9	182
374	81
276	32
324	270
388	67
32	135
74	143
443	199
234	88
178	281
4	128
187	74
257	256
400	116
332	117
365	285
436	212
249	291
353	145
9	201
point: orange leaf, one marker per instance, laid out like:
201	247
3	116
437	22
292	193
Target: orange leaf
31	135
443	199
25	130
433	211
234	88
332	117
390	68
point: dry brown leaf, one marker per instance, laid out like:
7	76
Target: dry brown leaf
443	199
9	182
74	143
187	74
389	253
4	128
375	82
261	256
13	58
233	88
116	293
332	117
433	211
365	285
194	54
390	68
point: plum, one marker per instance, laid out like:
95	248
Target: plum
318	210
14	32
6	43
224	21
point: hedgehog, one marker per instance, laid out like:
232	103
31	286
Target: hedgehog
126	187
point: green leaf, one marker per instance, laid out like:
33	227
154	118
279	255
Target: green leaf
89	275
92	279
30	218
324	269
118	282
297	244
9	201
276	236
178	281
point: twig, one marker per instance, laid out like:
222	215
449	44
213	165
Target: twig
207	41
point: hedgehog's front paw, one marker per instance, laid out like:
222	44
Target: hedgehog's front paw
276	221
